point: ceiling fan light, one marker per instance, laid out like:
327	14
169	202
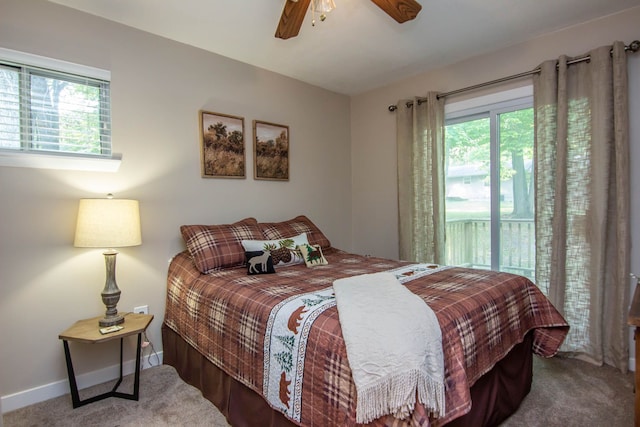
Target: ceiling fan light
323	6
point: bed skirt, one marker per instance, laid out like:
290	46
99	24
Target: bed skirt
495	396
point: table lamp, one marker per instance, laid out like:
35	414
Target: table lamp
108	223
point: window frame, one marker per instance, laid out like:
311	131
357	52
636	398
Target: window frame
491	106
29	158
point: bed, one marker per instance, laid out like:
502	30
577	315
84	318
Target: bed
216	331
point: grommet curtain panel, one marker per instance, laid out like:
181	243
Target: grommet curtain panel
420	145
582	200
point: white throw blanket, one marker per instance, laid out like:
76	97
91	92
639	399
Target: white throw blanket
394	346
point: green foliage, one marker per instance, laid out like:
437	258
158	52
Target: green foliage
285	359
287	341
270	247
468	143
516	139
286	243
319	299
312	253
53	112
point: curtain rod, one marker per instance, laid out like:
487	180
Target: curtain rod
634	46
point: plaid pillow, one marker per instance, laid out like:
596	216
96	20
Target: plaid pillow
293	227
214	247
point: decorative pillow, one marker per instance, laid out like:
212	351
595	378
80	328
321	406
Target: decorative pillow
259	262
283	251
293	227
312	255
214	247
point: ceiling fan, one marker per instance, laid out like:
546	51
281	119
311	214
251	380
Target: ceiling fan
295	10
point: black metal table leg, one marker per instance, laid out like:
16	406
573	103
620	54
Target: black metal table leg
75	397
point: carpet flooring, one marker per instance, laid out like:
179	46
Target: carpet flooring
565	392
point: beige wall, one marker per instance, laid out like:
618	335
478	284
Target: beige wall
158	87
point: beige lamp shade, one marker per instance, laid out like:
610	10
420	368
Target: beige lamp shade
108	223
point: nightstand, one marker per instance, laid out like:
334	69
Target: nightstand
88	331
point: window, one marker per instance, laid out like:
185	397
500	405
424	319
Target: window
52	108
489	185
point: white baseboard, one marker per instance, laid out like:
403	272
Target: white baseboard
59	388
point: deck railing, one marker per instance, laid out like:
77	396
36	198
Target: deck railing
469	244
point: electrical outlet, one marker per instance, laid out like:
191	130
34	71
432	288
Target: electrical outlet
142	309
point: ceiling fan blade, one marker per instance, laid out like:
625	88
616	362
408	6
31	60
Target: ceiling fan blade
400	10
291	18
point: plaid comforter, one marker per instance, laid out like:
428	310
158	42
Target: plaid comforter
483	315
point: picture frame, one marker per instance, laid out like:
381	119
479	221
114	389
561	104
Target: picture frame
222	147
270	151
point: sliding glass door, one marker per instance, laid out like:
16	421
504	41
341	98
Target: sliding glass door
489	188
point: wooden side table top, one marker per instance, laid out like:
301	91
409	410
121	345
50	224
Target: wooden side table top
88	330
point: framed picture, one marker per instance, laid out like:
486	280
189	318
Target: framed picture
222	145
270	151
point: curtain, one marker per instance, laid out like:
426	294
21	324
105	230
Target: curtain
420	139
582	200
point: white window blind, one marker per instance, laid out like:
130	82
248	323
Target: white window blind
48	110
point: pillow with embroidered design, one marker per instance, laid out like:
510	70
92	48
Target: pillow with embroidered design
259	262
283	251
312	255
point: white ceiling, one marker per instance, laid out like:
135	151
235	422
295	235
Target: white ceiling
358	47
